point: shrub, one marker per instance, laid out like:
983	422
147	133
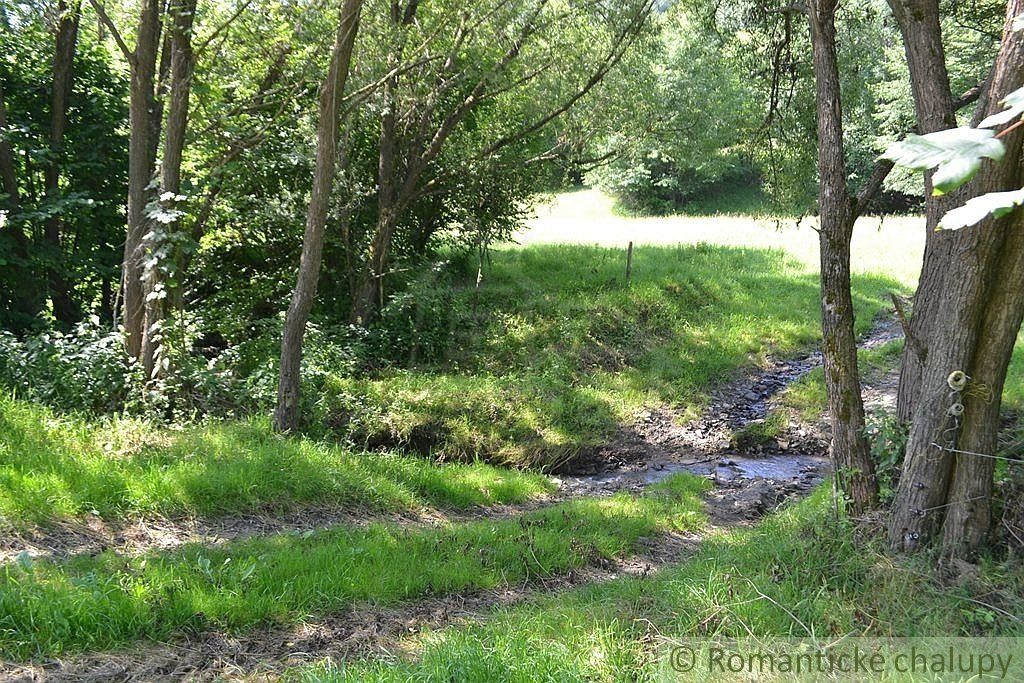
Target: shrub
84	369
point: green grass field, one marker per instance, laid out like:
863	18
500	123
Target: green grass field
890	246
566	353
562	352
565	350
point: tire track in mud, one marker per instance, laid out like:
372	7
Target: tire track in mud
362	630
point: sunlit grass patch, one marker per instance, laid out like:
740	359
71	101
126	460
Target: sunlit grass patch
48	608
54	468
563	350
798	573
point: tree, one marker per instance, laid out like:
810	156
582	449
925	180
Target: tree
23	302
838	210
969	311
162	214
286	414
62	154
416	129
920	25
69	15
143	139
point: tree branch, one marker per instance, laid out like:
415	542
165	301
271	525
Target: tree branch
614	56
213	36
105	18
883	166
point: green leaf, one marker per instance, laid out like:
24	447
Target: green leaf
953	174
955	153
979	208
1014	103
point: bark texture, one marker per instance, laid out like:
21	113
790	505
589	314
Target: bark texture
969	515
142	110
919	24
157	240
958	339
286	414
70	13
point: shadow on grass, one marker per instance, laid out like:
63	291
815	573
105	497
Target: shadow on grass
563	350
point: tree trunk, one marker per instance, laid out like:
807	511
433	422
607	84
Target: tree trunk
156	243
919	23
286	415
367	293
957	334
854	468
142	108
969	514
64	309
24	300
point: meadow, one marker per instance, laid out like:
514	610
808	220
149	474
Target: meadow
449	477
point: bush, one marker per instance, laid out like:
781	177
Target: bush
887	437
657	184
84	369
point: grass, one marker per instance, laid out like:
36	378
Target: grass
733	200
796	571
559	352
564	350
562	353
760	433
1013	392
49	608
890	246
55	468
806	397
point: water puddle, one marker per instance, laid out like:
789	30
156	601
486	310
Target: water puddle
790	469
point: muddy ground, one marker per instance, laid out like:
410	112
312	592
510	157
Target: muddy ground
751	476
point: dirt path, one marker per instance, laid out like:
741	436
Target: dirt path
362	630
751	477
750	481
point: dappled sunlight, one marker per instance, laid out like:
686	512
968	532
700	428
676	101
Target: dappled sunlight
565	352
796	569
51	474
